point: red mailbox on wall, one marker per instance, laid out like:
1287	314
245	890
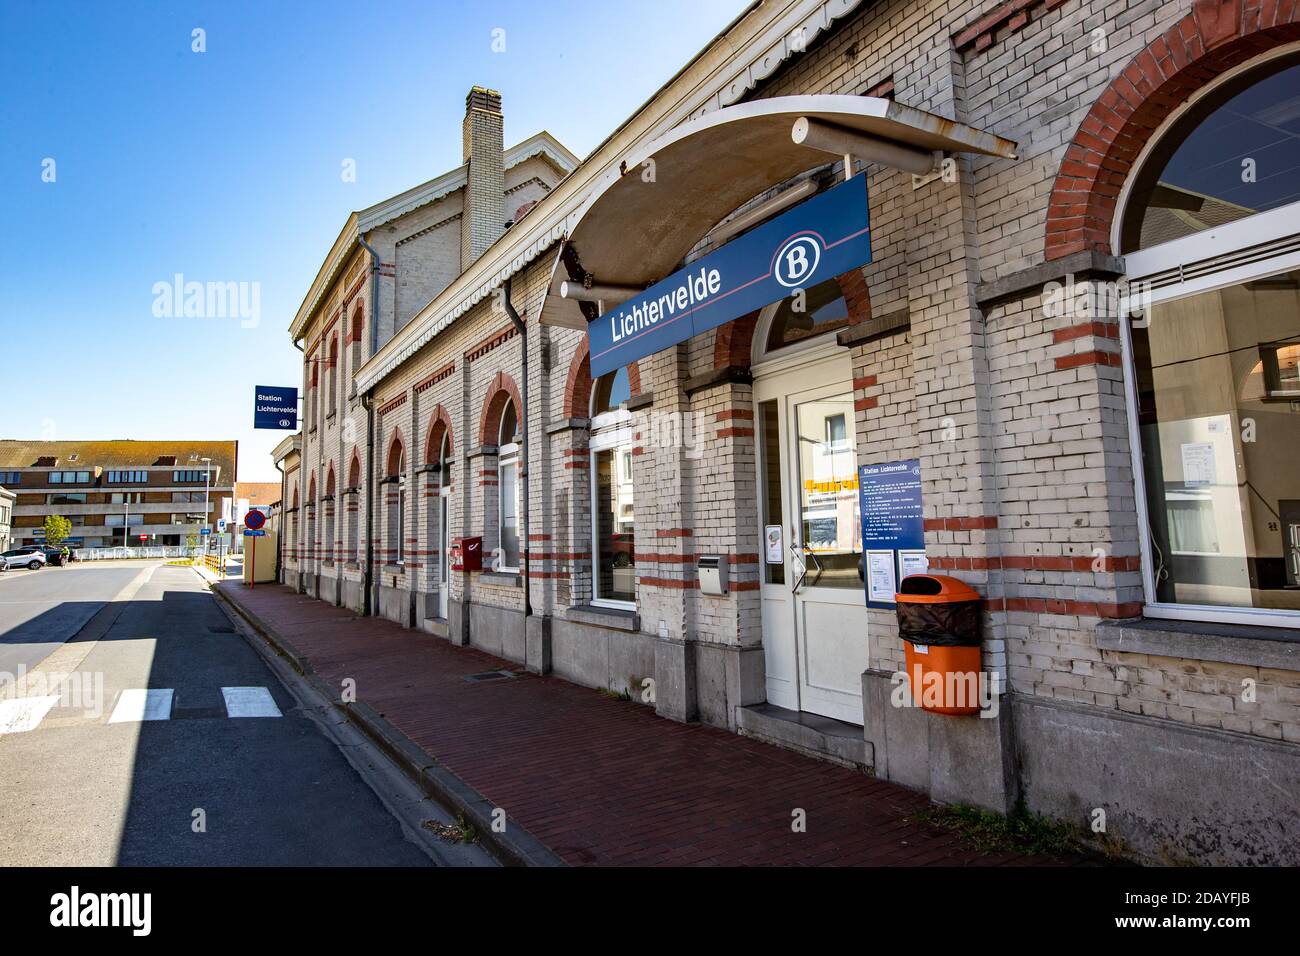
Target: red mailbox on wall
467	554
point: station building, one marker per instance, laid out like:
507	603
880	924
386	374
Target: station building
1078	326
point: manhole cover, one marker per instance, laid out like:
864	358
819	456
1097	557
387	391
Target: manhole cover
489	675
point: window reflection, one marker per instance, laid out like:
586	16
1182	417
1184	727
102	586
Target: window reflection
1219	414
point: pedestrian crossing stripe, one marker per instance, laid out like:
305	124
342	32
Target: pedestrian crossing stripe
249	702
22	714
136	705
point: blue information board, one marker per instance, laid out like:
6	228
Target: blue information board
275	408
816	240
893	527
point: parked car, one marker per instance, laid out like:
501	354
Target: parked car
22	558
54	556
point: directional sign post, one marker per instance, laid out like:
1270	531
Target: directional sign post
253	521
276	408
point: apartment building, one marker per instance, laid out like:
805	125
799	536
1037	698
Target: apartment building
137	492
1074	334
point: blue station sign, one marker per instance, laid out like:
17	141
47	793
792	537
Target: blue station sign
817	240
275	408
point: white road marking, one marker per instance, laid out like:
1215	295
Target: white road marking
137	704
249	702
23	714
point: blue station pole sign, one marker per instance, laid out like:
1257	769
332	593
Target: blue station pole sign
817	240
275	408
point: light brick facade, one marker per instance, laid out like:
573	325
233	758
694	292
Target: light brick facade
1019	419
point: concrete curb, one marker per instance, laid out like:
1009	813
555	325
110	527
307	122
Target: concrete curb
513	847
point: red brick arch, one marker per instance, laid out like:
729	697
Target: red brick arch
358	323
1214	37
501	391
311	489
396	449
329	481
354	470
439	425
577	388
733	345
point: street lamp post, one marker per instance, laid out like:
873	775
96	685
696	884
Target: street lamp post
207	508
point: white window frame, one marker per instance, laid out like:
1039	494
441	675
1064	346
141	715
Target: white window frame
609	431
400	558
507	457
1267	227
1262	245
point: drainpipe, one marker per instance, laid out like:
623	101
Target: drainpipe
374	294
279	537
302	454
522	328
367	402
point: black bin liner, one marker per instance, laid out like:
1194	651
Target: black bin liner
940	625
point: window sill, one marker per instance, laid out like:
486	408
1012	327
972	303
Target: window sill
616	618
1253	646
510	579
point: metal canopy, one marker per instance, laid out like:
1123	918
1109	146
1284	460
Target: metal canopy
633	232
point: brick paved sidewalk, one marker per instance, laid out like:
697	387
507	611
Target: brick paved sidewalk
600	780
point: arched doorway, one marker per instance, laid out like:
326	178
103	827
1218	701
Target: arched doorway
813	606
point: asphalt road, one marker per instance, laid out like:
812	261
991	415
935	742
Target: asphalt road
89	782
39	610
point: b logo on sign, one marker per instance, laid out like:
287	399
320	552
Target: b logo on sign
797	261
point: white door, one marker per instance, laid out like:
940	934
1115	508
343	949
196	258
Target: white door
813	604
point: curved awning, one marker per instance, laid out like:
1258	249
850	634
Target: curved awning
634	229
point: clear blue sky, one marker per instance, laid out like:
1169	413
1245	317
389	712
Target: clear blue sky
224	166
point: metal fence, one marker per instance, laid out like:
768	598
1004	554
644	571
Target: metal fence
108	554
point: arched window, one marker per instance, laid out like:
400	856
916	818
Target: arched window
444	461
313	545
1234	153
508	487
400	540
804	315
357	333
1213	322
613	499
395	482
352	512
327	550
334	375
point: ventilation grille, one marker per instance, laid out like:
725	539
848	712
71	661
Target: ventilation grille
1201	268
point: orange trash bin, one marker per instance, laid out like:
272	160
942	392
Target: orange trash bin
938	620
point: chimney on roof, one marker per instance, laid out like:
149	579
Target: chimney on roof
483	134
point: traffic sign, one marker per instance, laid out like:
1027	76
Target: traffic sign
205	531
254	534
221	525
254	519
